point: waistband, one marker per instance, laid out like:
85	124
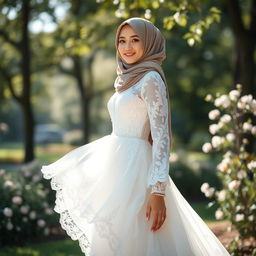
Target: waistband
129	137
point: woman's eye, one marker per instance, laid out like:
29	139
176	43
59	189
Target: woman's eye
121	41
136	40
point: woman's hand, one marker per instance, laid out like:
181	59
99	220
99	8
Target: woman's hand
156	206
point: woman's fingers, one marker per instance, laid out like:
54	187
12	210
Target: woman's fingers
159	219
148	212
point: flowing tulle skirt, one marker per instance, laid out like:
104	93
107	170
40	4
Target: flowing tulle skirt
101	196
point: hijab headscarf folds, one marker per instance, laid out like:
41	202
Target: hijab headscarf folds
153	54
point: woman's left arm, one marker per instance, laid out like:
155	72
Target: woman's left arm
153	92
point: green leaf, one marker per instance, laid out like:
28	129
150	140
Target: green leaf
169	22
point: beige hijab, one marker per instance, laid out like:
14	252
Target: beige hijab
153	54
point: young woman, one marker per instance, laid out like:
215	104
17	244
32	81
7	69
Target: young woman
115	195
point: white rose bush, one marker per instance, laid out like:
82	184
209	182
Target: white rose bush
237	169
26	205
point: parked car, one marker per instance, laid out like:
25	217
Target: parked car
49	133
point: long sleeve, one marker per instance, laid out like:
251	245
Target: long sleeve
153	92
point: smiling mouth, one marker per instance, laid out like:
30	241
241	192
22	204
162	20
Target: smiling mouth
129	54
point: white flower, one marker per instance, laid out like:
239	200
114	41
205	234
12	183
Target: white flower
234	95
205	186
241	174
223	166
41	223
222	101
213	128
8	212
219	214
147	14
247	127
239	217
177	17
230	137
209	192
213	114
250	218
207	147
253	207
8	184
32	215
251	165
216	141
225	118
24	209
221	195
17	200
245	141
253	130
234	184
239	86
208	97
238	208
9	226
247	99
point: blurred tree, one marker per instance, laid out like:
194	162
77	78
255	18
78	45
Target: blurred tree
15	67
74	46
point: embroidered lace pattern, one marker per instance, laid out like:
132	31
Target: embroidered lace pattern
102	224
153	92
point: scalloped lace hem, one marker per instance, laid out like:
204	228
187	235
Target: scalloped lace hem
66	221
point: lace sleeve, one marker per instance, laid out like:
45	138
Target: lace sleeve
153	92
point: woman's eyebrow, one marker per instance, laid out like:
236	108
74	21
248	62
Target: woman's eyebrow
130	36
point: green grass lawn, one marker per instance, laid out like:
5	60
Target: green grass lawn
13	152
65	247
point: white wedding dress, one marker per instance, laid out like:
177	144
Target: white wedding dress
102	188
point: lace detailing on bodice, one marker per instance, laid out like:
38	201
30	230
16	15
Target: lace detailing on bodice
153	93
140	109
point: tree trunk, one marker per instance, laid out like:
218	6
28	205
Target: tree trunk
25	69
85	119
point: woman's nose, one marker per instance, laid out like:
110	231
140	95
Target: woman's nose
128	45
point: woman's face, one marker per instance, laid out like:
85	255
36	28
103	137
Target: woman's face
129	45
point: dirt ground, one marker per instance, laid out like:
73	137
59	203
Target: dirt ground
223	231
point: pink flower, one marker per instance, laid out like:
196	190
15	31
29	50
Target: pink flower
233	185
17	200
207	147
213	114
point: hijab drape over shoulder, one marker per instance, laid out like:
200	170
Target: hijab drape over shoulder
153	54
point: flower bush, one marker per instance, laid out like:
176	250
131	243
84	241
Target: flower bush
233	117
26	205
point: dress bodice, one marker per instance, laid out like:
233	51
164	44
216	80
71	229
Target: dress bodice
138	110
128	113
